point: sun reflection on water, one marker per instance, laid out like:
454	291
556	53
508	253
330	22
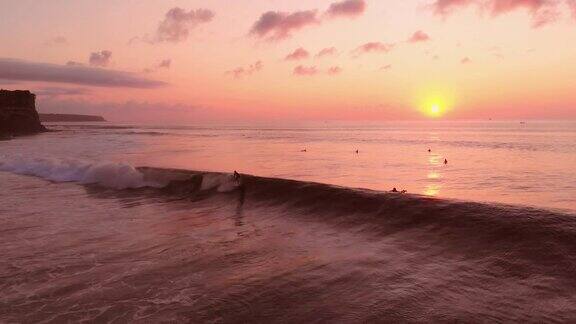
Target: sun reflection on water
434	176
434	160
432	190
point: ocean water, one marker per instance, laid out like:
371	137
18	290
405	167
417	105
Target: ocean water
143	223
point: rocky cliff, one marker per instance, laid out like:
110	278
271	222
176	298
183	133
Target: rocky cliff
18	115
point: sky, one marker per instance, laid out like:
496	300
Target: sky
187	61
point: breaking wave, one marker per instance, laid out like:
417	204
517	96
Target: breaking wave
111	175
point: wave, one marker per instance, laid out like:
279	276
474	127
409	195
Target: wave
106	174
114	175
296	194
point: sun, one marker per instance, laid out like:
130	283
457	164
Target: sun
434	102
435	109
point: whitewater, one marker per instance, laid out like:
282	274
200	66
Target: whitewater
145	223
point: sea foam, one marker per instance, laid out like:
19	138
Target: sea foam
106	174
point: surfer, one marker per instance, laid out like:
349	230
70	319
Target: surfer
357	152
394	190
445	161
236	176
429	150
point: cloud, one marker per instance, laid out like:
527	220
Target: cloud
57	91
418	37
466	60
572	5
496	51
445	7
241	72
329	51
504	6
278	25
299	54
178	23
374	47
545	17
275	25
100	59
18	70
56	41
165	64
542	12
334	70
347	8
301	70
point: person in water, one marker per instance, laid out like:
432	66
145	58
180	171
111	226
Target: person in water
394	190
236	176
445	161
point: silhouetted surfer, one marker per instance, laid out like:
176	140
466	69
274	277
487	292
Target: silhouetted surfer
241	198
445	161
429	150
357	152
394	190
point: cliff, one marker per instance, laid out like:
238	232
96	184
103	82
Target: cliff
70	118
18	115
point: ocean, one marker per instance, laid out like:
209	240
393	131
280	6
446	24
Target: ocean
105	222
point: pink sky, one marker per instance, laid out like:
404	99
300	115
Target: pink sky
243	60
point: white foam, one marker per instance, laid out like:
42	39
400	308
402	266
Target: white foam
106	174
220	182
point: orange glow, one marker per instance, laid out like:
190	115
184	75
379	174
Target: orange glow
350	70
